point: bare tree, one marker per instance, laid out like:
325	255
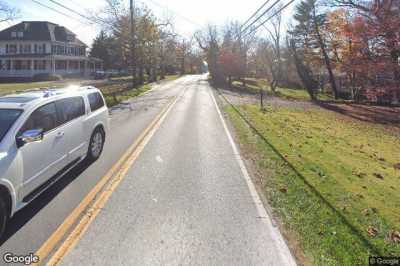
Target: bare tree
208	40
7	12
275	58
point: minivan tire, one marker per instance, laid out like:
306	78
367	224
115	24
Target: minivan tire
96	145
3	217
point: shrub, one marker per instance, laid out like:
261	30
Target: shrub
46	77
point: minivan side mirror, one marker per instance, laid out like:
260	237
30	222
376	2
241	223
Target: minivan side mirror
29	136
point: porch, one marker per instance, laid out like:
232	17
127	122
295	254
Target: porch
29	67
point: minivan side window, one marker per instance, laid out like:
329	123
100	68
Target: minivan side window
44	117
95	101
70	108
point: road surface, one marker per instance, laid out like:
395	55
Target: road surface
186	199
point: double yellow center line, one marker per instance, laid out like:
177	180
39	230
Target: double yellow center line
98	196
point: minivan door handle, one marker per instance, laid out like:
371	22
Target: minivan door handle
60	135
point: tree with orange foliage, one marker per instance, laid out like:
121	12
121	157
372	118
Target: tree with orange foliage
232	64
374	47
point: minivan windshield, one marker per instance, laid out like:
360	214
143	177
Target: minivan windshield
7	119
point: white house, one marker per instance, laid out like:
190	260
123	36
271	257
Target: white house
40	47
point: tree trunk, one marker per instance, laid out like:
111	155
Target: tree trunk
304	73
261	99
326	58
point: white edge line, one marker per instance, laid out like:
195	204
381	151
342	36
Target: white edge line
280	243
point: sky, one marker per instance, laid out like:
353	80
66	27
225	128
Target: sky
188	16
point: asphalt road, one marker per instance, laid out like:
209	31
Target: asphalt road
186	200
33	225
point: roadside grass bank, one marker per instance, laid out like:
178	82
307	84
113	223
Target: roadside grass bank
114	98
16	87
333	182
115	90
255	85
117	93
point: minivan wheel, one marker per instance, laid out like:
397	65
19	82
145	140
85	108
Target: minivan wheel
3	217
96	144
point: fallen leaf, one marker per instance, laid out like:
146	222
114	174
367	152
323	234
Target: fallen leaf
394	236
366	212
378	175
397	166
372	231
359	173
283	190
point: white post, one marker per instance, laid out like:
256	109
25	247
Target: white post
12	66
53	65
32	67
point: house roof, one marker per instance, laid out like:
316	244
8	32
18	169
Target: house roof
40	31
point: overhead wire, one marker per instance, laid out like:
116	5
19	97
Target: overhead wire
260	16
269	18
57	11
255	13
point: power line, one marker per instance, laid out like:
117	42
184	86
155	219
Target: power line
57	11
265	21
259	17
255	13
176	13
97	21
72	10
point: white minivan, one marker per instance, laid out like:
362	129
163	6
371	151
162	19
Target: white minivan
43	134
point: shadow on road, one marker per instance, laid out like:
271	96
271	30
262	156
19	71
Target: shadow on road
27	213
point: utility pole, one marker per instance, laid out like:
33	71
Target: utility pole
133	42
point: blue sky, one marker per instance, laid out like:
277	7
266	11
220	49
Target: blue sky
189	15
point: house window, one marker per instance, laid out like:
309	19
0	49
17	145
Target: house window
13	34
40	64
27	49
20	34
22	64
60	50
42	48
61	65
12	49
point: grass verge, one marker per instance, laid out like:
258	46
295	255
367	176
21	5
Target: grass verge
113	100
114	93
254	86
331	181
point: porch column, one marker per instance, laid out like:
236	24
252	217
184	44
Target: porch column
12	66
53	66
67	63
32	67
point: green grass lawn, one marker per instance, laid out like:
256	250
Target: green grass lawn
254	86
6	88
17	87
111	100
14	87
341	199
